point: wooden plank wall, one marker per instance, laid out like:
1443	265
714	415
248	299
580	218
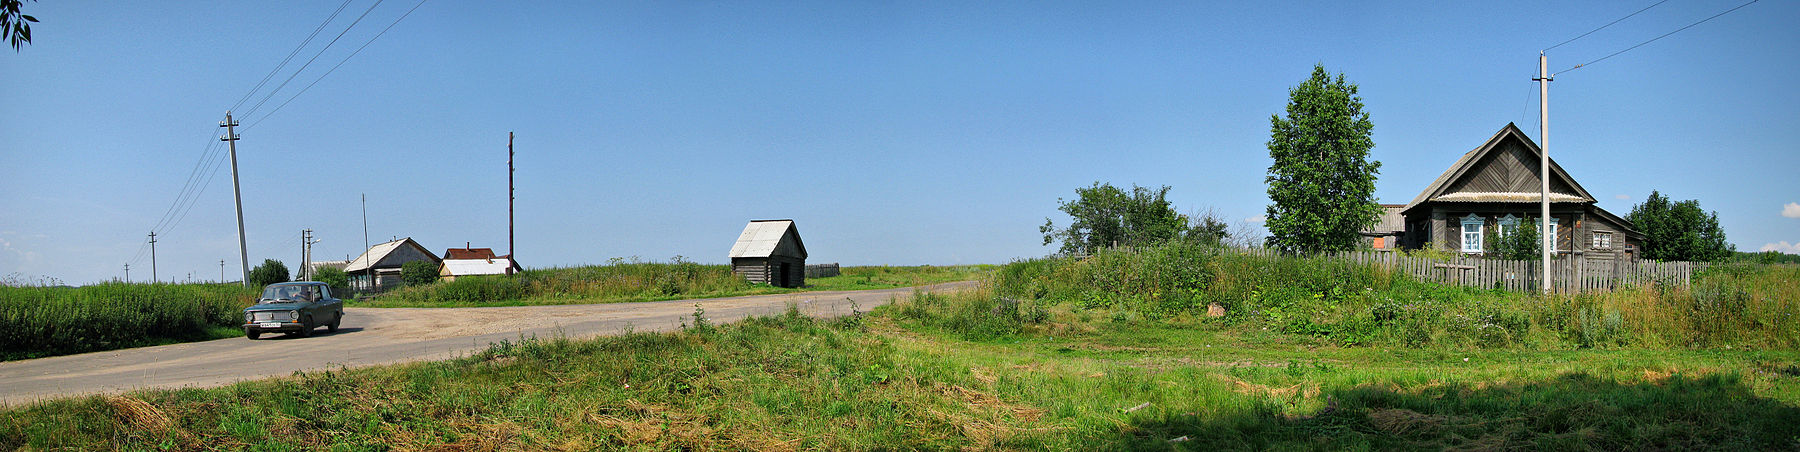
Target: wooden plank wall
1567	274
821	270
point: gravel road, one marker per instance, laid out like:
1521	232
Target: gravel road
375	336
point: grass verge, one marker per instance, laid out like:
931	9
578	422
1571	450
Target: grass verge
959	371
48	321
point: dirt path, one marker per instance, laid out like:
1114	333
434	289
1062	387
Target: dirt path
375	336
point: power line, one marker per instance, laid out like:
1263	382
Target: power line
290	55
309	61
335	67
1608	24
1664	35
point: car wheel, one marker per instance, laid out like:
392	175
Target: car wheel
335	320
253	334
306	327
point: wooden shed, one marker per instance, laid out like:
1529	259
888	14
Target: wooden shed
770	252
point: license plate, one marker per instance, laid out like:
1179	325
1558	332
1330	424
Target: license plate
270	325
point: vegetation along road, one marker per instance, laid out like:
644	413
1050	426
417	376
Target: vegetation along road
372	336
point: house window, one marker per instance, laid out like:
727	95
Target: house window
1602	240
1552	235
1471	234
1506	223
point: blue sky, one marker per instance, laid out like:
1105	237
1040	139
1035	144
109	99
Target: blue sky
893	132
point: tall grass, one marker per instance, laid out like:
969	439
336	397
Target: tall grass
44	321
1346	303
620	280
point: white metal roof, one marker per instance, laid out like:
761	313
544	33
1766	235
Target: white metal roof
467	267
760	238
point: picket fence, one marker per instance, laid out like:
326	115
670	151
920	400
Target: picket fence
1567	274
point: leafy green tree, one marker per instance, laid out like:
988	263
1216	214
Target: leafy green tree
1322	183
13	26
1679	231
418	273
270	272
1520	242
1104	215
334	277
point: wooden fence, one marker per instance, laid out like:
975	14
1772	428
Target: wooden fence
821	270
1568	274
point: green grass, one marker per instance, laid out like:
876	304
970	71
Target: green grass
924	374
621	282
48	321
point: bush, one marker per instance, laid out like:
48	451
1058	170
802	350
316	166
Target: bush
418	273
270	272
44	321
334	277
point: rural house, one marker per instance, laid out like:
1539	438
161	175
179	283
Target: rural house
379	267
1493	189
471	261
770	252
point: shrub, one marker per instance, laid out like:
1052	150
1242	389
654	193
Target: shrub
270	272
334	277
418	273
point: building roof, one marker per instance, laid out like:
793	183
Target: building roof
764	238
1436	191
470	253
1390	222
468	267
376	255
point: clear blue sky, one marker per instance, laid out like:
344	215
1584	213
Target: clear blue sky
893	132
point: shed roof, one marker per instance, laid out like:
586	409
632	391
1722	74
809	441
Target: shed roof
763	238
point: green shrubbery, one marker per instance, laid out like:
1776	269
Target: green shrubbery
1340	302
619	280
44	321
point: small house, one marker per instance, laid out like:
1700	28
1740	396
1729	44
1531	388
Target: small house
770	252
454	268
379	267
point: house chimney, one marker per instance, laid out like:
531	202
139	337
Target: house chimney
468	245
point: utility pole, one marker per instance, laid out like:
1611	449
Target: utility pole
127	272
301	275
1543	80
510	256
231	137
152	256
221	271
365	207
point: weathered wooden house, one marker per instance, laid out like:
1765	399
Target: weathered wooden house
1494	187
770	252
379	267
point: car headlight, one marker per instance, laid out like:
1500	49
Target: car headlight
294	316
249	317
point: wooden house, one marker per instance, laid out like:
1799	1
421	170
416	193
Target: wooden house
379	267
770	252
451	269
1494	188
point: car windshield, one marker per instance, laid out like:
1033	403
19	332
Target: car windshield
273	294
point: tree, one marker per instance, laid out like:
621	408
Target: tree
418	273
1679	231
1105	215
1322	182
13	26
1520	242
270	272
334	277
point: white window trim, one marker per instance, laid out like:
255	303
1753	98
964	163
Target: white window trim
1553	231
1472	246
1508	221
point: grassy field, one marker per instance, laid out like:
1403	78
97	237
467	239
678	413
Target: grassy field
646	281
47	321
961	371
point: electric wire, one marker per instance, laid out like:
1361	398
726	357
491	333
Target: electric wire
309	61
1664	35
290	55
335	67
1608	24
186	187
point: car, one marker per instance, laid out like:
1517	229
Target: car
293	307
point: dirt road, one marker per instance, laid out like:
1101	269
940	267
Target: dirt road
374	336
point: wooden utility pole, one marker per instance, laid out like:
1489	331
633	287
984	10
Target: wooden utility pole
127	272
152	256
1543	80
237	193
221	271
511	258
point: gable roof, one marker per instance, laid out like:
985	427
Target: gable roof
764	238
469	253
377	255
1459	170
